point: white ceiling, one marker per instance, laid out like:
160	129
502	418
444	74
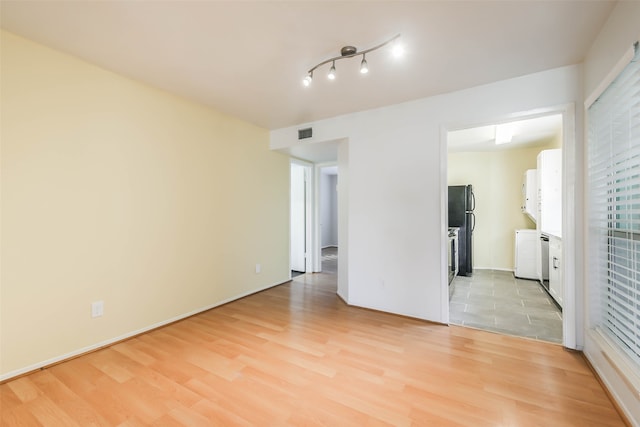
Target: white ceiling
526	133
247	59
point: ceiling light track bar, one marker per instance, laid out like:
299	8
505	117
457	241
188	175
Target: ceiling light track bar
356	53
349	52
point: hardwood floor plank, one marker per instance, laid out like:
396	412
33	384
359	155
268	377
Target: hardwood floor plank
134	354
109	402
66	400
297	355
132	422
254	408
219	415
433	405
8	399
19	416
24	389
80	376
180	416
50	414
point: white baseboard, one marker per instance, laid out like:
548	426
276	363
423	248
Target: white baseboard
493	268
342	297
111	341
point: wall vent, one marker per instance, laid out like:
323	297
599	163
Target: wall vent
305	133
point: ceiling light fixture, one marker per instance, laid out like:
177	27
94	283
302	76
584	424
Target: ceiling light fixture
350	52
504	133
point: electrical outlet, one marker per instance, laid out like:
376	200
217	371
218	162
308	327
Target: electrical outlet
97	308
258	269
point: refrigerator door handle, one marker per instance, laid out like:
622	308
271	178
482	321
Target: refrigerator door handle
473	221
473	201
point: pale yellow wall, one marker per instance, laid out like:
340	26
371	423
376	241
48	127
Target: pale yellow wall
115	191
556	142
497	183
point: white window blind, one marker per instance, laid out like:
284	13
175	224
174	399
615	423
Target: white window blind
614	210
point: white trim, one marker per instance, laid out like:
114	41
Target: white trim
510	270
309	217
614	373
444	222
610	77
106	343
310	214
618	360
572	308
343	298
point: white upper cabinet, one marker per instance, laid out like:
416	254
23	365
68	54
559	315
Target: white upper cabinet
550	192
530	194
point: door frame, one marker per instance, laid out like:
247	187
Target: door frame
572	224
317	247
309	212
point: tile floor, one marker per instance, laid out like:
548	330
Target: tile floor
497	301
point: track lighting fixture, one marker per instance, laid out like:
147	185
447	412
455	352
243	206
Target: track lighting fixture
350	52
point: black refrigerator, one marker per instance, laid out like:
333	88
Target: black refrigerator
462	202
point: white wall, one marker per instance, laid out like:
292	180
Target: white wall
619	33
333	191
343	220
397	183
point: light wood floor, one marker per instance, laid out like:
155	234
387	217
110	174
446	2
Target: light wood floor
297	355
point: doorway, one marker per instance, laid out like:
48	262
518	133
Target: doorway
317	155
492	297
328	218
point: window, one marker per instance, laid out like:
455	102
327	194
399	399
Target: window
614	210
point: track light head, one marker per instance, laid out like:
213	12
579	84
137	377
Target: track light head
398	49
332	71
364	67
308	79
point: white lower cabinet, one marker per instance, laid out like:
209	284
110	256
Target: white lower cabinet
555	270
526	247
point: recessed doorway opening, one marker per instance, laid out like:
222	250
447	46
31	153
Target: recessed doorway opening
493	294
328	218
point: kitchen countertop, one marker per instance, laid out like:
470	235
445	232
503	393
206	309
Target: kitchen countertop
553	233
